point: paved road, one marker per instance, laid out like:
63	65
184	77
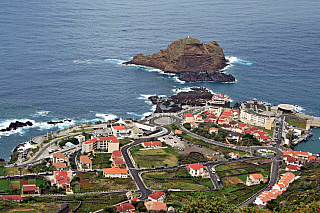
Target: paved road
136	172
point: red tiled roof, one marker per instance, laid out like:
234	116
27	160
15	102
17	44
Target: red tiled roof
116	154
158	206
242	125
119	127
58	155
29	188
291	159
177	132
196	166
156	195
189	115
125	207
257	176
85	159
118	161
91	141
59	165
114	171
311	158
63	180
135	199
12	197
214	128
153	143
293	167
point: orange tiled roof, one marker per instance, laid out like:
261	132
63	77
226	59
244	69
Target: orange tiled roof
114	171
119	127
156	195
196	166
85	159
59	165
116	153
189	115
257	176
58	155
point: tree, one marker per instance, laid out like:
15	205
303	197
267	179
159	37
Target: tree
203	204
20	170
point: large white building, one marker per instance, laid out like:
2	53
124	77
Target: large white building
249	116
106	143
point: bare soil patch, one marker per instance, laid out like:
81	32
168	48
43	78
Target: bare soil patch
232	180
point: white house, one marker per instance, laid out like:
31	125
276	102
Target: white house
213	130
254	179
85	162
195	169
233	155
115	172
58	157
157	196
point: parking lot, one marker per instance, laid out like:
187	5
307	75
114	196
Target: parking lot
185	147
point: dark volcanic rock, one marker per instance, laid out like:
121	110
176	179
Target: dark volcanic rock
215	76
58	122
16	125
195	97
202	60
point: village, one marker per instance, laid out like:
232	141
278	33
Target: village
212	148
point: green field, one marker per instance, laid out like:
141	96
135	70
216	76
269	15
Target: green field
101	160
298	123
154	157
4	184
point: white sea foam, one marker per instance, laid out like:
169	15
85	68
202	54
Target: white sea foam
25	146
184	89
106	117
114	61
299	108
145	97
42	113
135	114
235	60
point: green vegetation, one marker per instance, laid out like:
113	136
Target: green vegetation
101	160
168	180
71	140
297	123
42	167
154	157
93	182
82	130
4	185
124	141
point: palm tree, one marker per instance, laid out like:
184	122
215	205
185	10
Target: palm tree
20	170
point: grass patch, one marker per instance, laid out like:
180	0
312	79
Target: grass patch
101	160
124	141
154	157
4	184
15	170
82	130
297	123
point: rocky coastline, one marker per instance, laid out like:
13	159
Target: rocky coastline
16	125
192	60
198	96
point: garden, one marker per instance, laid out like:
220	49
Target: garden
95	181
176	179
153	157
101	160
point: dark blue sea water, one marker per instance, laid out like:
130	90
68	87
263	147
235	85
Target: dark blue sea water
60	59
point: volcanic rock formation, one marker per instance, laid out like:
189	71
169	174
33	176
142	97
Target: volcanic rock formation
193	60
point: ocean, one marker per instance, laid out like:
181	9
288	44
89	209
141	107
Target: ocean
62	59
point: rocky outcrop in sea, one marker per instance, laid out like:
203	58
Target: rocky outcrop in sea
198	96
192	60
16	125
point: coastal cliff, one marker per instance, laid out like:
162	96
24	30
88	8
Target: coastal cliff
192	60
